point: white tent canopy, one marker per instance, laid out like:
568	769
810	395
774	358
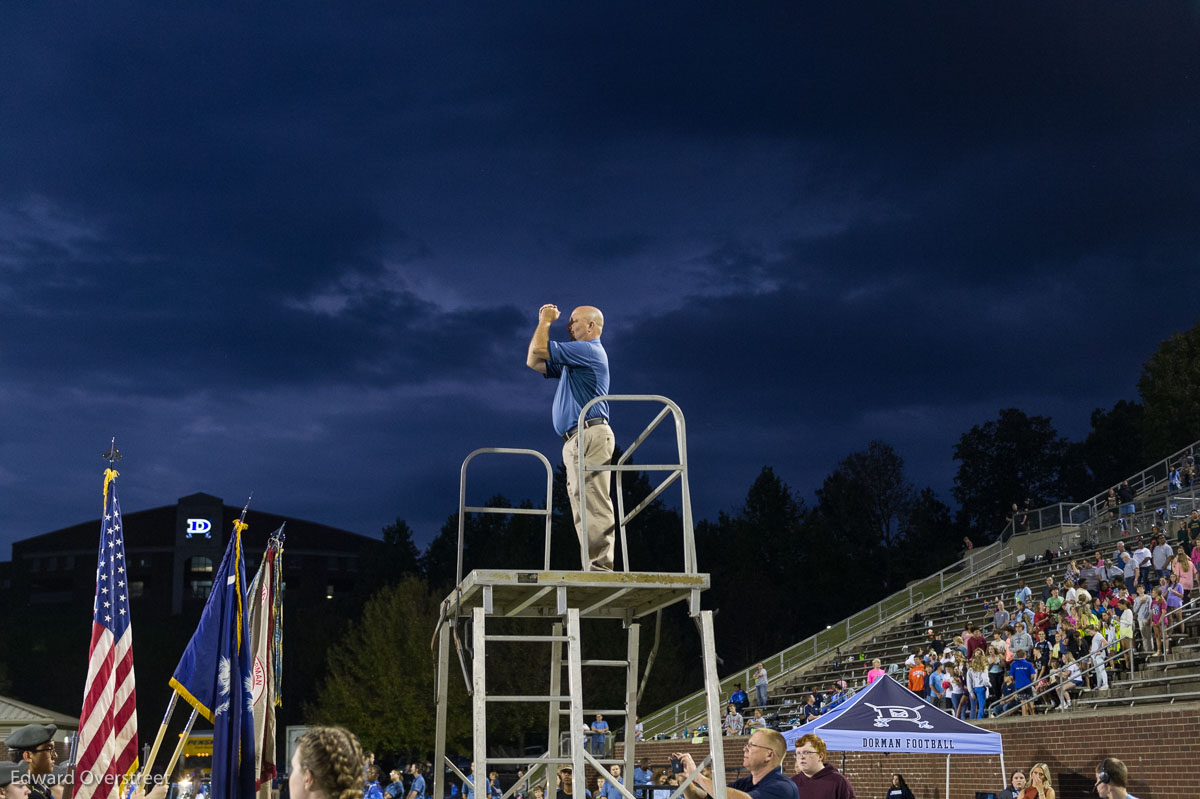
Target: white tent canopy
887	717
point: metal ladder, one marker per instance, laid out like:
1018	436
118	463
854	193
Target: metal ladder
562	599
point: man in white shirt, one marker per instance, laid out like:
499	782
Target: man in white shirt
1099	645
1142	557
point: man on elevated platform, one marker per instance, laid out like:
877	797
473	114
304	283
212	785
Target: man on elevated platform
581	367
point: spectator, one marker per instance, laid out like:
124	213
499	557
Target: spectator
996	670
763	756
978	682
1173	592
876	671
1070	680
1118	554
1015	786
1125	633
493	786
975	641
395	786
811	711
1098	650
1143	557
1112	780
837	696
1041	654
1000	617
1041	619
566	784
1125	497
899	789
916	678
1022	595
1039	783
937	686
1185	572
1069	589
1023	613
958	692
642	775
1008	690
327	762
1129	571
1021	670
1021	639
416	786
1047	588
756	721
814	778
738	697
1141	612
1160	559
606	789
599	736
733	722
760	684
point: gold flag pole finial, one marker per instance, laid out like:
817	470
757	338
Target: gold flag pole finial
112	456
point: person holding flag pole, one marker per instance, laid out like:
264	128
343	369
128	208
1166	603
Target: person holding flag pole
213	676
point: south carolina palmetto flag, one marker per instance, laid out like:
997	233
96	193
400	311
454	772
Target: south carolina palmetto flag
266	656
213	675
108	742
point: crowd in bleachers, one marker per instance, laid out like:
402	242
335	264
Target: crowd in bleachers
1038	647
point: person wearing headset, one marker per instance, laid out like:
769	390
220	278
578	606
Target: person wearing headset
1112	779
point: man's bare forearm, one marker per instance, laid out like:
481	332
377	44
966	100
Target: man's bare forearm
539	344
539	347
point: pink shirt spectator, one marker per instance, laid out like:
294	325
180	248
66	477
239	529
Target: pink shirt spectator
874	674
1187	576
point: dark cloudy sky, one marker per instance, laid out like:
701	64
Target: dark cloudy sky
298	248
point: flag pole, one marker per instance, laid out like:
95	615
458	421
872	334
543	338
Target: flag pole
162	731
183	737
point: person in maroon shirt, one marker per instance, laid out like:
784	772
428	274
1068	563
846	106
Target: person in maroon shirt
1041	619
975	640
814	778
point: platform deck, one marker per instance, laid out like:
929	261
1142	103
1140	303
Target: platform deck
548	593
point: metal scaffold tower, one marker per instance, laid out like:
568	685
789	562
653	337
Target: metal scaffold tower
560	601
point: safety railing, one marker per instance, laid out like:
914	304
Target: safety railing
674	471
688	711
1064	514
464	509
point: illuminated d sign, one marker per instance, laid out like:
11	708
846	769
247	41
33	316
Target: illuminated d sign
199	527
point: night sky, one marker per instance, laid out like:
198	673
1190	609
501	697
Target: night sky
298	249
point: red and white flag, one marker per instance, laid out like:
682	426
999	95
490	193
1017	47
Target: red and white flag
266	650
108	742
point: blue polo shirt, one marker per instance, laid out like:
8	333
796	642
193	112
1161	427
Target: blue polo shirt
581	368
772	786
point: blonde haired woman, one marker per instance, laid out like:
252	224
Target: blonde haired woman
1039	783
327	764
978	683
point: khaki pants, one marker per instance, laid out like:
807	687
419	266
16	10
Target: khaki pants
598	444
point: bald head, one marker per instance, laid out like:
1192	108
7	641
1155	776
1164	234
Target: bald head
586	323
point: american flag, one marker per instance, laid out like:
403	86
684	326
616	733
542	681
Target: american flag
108	744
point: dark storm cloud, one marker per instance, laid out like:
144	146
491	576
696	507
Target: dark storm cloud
317	237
